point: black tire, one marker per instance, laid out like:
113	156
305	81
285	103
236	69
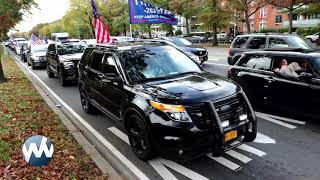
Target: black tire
28	63
32	66
62	80
139	137
85	103
50	74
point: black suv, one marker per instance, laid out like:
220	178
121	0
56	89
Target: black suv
192	50
62	61
166	103
286	82
254	42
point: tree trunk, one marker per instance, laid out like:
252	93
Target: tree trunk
125	29
1	72
246	16
214	36
187	26
149	31
290	18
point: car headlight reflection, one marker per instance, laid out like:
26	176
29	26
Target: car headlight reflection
175	112
68	64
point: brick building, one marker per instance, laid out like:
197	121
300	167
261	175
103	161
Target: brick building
267	17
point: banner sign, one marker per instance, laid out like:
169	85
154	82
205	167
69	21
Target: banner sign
142	12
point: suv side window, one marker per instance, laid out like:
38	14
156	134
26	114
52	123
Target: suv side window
96	61
260	62
109	65
85	59
257	43
239	42
277	43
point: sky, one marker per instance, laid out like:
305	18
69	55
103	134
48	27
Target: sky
47	11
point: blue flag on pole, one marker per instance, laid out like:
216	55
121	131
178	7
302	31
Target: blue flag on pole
142	12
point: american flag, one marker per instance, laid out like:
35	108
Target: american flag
102	34
35	40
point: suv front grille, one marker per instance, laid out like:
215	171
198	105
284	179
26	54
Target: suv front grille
230	108
201	115
227	109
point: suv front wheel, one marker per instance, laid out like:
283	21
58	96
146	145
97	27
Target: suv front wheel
139	137
85	103
62	80
50	74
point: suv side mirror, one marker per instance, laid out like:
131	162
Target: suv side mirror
305	76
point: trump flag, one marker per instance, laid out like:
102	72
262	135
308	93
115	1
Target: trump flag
142	12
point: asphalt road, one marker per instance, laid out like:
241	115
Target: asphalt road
284	148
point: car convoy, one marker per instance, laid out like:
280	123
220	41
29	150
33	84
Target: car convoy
168	104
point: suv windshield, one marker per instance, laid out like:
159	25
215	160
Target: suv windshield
180	41
300	42
36	49
64	49
147	63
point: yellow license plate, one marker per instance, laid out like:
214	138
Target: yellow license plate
230	135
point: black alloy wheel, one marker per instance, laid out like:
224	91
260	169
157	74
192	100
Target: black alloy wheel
50	74
62	78
85	103
139	138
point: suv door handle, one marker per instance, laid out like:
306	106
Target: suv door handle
269	80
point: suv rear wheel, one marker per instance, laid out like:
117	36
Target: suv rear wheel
139	137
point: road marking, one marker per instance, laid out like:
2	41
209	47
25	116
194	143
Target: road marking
239	156
229	164
264	139
290	126
252	150
158	163
105	142
283	118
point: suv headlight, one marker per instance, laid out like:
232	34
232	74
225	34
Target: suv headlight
175	112
68	64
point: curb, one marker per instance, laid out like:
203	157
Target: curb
77	132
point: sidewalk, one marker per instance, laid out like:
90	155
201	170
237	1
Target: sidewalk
24	113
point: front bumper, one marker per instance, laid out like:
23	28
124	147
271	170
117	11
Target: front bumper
71	74
185	141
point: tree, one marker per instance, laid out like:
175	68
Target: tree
186	9
10	14
247	8
313	8
291	6
214	16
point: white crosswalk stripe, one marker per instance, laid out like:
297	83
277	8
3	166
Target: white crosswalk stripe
238	156
157	164
227	163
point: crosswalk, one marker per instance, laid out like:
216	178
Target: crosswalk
282	121
226	161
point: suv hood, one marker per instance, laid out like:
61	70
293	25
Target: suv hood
192	48
71	57
196	87
39	54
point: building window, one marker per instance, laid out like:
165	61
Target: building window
262	25
278	19
263	12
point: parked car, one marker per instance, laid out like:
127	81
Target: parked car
313	37
189	48
18	46
62	61
296	92
24	50
254	42
36	56
167	104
